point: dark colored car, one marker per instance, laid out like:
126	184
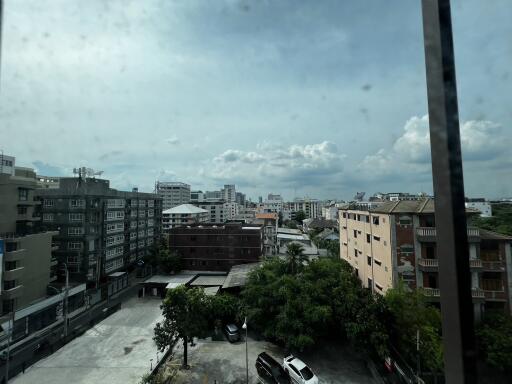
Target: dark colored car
232	332
270	371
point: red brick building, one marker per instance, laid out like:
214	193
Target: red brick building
217	247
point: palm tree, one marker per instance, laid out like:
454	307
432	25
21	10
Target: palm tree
296	256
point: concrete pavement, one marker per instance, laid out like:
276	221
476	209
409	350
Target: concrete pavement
116	350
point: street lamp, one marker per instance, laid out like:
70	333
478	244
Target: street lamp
246	355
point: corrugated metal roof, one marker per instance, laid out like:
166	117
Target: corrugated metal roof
184	209
237	276
208	281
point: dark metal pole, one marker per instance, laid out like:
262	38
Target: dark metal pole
451	233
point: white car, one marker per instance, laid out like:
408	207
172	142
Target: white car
298	371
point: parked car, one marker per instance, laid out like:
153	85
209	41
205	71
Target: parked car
270	371
298	371
232	332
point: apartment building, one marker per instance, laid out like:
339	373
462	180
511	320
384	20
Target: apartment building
229	193
310	207
230	210
101	230
269	223
172	193
217	247
26	251
397	241
196	196
185	214
216	208
330	211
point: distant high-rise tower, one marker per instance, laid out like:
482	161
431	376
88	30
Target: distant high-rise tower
172	193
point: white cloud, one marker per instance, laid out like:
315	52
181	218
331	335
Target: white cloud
276	166
410	153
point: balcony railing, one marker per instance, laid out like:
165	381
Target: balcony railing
431	232
476	293
430	263
494	265
434	263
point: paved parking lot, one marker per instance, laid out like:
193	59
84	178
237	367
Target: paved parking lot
224	363
116	350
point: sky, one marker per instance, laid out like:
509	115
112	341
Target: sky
303	98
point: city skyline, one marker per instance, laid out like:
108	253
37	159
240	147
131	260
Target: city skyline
249	93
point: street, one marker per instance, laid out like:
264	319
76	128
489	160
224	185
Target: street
116	350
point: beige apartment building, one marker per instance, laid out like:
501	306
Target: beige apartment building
397	241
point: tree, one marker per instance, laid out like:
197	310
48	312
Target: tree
290	224
280	219
495	338
299	216
295	257
186	315
410	314
501	221
170	261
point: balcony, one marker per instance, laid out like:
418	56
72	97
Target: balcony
429	234
14	274
497	265
433	264
476	293
12	293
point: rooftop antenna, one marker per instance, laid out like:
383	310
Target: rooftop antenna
84	172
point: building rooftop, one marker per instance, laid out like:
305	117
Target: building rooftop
184	209
271	215
238	274
425	205
289	231
490	235
208	281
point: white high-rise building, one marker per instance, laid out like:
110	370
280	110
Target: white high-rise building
229	193
172	193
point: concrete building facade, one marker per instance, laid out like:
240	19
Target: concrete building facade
217	247
101	230
26	265
172	193
216	209
397	241
185	214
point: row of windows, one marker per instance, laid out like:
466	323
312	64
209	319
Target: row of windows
114	252
111	240
115	227
113	264
118	203
115	215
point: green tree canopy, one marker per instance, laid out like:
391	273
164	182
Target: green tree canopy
186	315
495	339
410	314
299	216
295	257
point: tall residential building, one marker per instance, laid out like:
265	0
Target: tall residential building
216	209
230	210
397	241
229	193
240	199
26	266
172	193
309	206
269	222
101	230
217	247
196	196
7	164
185	214
481	205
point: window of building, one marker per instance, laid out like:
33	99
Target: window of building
376	261
22	210
75	231
77	203
376	238
406	249
355	233
404	220
10	265
369	260
355	252
48	202
368	238
47	216
76	217
375	220
9	284
74	245
22	194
